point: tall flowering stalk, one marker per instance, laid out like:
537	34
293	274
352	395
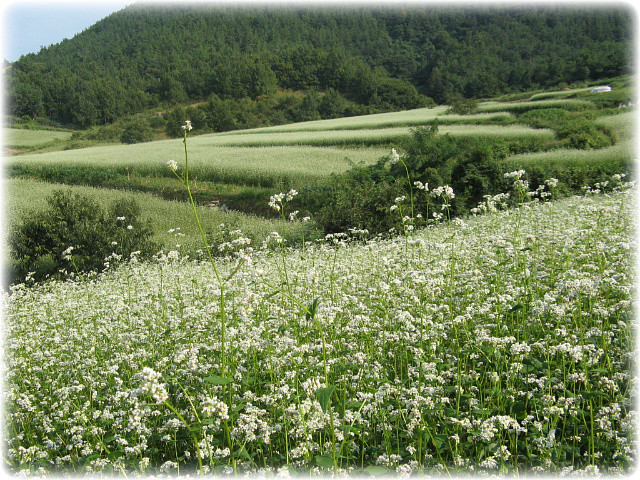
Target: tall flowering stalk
173	165
222	380
395	158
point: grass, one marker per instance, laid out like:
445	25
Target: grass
19	138
286	159
519	107
267	166
172	221
622	124
369	137
498	345
619	154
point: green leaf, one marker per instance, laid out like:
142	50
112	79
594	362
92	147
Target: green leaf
242	453
515	407
216	380
324	461
440	440
376	470
324	397
590	395
313	309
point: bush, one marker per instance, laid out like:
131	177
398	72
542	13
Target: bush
136	131
363	197
75	235
581	132
462	106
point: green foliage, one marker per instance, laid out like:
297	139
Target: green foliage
544	118
462	106
581	131
136	131
152	56
362	197
357	199
75	235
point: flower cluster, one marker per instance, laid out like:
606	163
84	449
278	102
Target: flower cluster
516	355
278	200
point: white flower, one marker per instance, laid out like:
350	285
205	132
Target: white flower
213	407
394	156
291	194
516	174
173	165
187	125
67	253
150	384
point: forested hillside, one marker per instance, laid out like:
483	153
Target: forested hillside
341	61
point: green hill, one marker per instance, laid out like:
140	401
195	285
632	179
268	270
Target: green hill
341	61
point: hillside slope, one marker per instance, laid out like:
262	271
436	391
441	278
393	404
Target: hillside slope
146	55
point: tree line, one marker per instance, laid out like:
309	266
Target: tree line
369	59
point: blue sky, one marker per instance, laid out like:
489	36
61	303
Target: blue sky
28	25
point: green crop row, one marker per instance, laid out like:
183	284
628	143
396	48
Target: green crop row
174	228
520	107
24	138
369	137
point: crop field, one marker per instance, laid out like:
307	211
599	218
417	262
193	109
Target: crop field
501	344
408	118
568	104
172	221
624	124
368	137
242	165
264	161
296	158
22	138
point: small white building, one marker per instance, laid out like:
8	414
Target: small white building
601	89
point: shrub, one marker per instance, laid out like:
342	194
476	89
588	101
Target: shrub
462	106
544	118
136	131
75	235
363	196
581	132
359	198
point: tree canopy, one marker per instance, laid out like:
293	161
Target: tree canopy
391	57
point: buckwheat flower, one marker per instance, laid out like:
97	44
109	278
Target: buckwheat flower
187	125
552	182
400	199
291	194
150	384
168	465
516	174
67	253
121	219
173	165
129	227
394	156
212	407
448	192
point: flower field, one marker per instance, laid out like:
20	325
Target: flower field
498	344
